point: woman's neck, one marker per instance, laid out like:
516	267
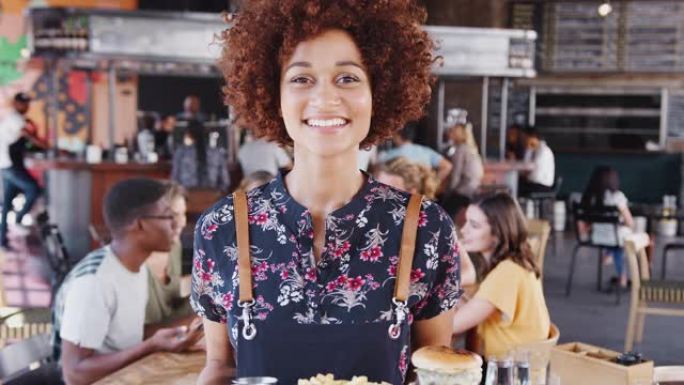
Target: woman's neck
324	184
487	255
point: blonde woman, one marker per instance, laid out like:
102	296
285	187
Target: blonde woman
408	176
466	176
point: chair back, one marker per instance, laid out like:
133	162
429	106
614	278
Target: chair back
538	232
540	354
557	184
637	260
56	253
603	224
664	374
24	356
3	300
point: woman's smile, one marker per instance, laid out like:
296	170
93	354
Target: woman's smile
327	125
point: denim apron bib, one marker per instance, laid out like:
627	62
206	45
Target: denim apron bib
289	351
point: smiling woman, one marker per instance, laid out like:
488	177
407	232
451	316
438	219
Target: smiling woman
395	53
329	263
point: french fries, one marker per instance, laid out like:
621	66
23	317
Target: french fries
329	379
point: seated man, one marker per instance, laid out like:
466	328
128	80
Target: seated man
416	153
542	176
99	311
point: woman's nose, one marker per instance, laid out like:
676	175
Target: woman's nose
325	95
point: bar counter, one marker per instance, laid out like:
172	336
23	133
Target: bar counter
75	191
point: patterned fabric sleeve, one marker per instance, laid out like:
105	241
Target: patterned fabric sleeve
437	264
205	297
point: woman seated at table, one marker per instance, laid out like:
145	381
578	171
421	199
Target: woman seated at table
166	303
408	176
509	307
603	191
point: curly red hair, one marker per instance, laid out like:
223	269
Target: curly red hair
395	50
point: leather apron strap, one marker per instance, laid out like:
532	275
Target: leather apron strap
408	248
241	212
406	251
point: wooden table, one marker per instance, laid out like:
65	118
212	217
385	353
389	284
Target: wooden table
505	173
159	369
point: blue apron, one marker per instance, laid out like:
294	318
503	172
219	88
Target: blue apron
290	351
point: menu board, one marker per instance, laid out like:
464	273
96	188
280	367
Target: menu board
579	39
653	36
675	115
637	36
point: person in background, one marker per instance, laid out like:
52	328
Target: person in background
468	170
196	165
17	133
166	304
255	180
516	143
258	154
542	176
99	311
192	110
416	153
509	307
163	143
603	190
405	175
145	137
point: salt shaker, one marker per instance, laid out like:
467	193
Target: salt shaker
492	369
522	368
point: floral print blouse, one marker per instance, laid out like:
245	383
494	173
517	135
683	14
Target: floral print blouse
354	280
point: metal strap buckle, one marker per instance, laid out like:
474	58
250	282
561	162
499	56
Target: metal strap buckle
249	331
400	314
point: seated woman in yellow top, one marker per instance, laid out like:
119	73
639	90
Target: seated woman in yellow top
508	307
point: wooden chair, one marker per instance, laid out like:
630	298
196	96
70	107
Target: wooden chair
538	232
3	300
540	355
18	324
666	374
646	292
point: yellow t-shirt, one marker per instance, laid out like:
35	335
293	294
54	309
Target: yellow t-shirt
522	317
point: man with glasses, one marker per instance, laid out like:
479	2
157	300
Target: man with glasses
99	311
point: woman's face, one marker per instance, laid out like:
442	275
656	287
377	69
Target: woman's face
457	134
179	208
325	95
477	232
392	180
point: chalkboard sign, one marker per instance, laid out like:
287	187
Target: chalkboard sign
675	116
580	40
637	36
652	36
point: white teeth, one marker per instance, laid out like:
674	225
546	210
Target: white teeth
326	122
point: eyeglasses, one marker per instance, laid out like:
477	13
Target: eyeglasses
175	217
162	217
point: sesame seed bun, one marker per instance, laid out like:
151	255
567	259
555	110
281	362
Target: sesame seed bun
445	360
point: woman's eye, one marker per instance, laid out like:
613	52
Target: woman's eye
347	79
300	80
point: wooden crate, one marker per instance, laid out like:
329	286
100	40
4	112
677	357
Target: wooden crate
577	363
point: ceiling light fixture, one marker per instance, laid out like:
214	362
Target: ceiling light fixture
605	9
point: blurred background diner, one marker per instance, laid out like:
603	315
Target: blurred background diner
568	113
